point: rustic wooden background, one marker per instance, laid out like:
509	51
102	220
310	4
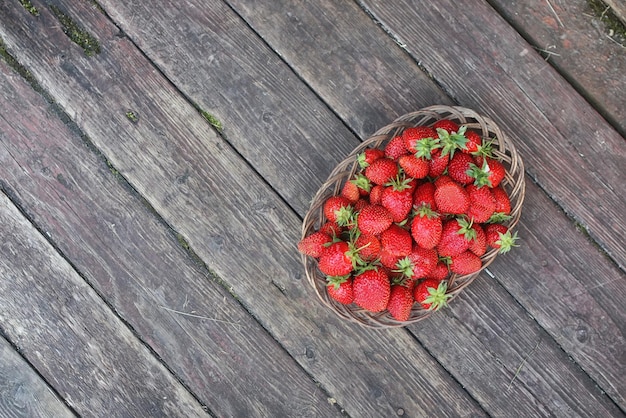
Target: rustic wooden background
153	190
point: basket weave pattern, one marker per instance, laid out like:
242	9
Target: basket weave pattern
513	183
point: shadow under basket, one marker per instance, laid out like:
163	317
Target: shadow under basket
513	183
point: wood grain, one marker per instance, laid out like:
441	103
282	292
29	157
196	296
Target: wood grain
134	261
253	250
22	392
487	66
575	42
64	329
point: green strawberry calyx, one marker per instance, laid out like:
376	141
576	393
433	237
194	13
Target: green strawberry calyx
336	281
452	141
438	298
425	147
507	241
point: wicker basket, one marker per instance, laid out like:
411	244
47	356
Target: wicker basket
513	184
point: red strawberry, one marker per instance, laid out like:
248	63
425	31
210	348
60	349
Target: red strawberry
335	206
314	244
388	259
400	302
372	290
503	202
431	294
465	263
455	237
368	156
417	265
459	166
374	219
487	172
413	166
440	271
447	125
482	203
381	171
396	241
412	136
451	198
437	163
426	227
341	289
376	194
395	148
350	191
478	245
368	247
331	229
424	195
499	236
335	260
443	179
397	198
474	142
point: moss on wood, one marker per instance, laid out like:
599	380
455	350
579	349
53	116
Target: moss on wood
76	33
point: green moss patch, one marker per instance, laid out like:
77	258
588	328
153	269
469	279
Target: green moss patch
26	4
615	28
76	33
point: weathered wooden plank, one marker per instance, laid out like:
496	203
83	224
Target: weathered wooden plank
22	392
72	338
575	42
261	103
205	336
205	191
567	147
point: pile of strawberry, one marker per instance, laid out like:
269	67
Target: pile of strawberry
427	206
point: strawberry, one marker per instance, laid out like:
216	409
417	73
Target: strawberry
474	142
412	136
424	195
455	237
482	203
478	245
368	247
487	172
381	171
422	262
503	202
396	241
331	229
372	290
440	271
413	166
426	227
389	260
499	236
314	244
400	302
350	191
397	198
450	141
459	166
368	156
465	263
451	198
437	163
431	294
447	125
376	194
341	289
335	259
395	148
374	219
335	206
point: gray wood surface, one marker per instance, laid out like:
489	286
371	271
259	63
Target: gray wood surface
295	86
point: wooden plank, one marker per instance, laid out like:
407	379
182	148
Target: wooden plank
487	66
23	393
578	45
208	50
205	336
64	329
192	178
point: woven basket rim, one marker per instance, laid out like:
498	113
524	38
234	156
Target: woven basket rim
514	183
